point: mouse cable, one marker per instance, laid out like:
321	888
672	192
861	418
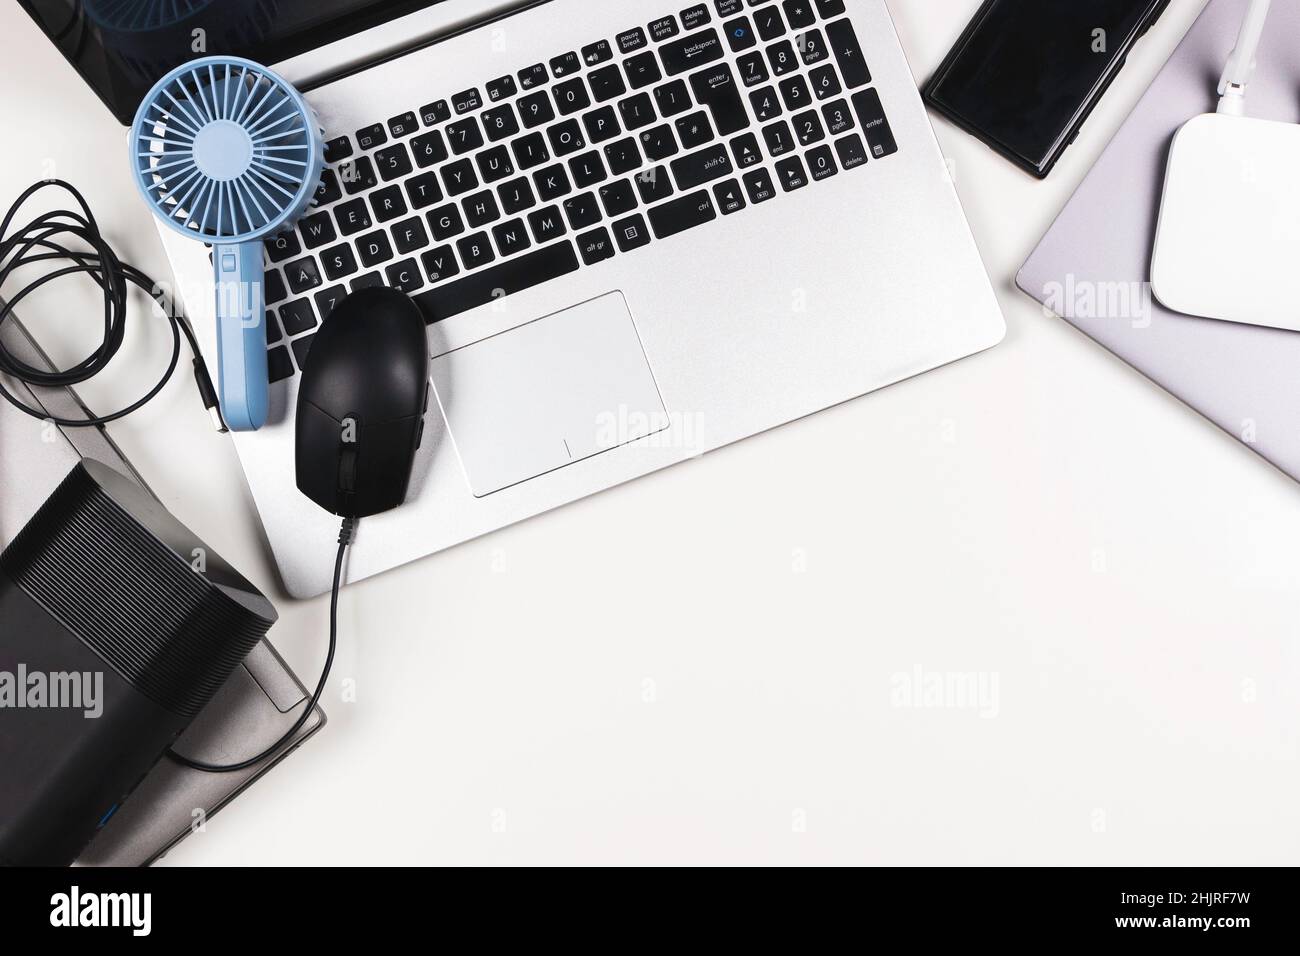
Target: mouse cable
345	538
39	241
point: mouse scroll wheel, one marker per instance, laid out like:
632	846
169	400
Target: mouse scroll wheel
348	468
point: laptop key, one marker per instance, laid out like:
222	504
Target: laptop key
445	222
758	184
357	175
534	75
702	167
693	50
799	13
374	248
875	127
272	327
317	230
794	91
753	69
439	264
631	41
369	280
729	196
327	191
811	47
326	299
338	148
466	101
851	151
601	124
783	58
565	64
475	250
637	111
618	197
587	169
530	150
285	245
571	96
481	209
839	118
516	196
715	89
848	53
727	8
623	156
596	246
808	128
694	130
778	138
642	70
821	163
273	287
404	276
465	135
300	348
459	177
388	203
547	223
511	237
740	34
653	184
278	364
665	28
672	98
767	105
582	210
830	8
338	261
566	138
825	83
352	216
372	136
495	164
437	112
696	16
658	143
423	190
745	150
302	275
429	148
297	316
631	233
685	212
768	22
500	122
501	88
535	109
791	174
594	54
509	278
552	183
403	125
409	235
607	83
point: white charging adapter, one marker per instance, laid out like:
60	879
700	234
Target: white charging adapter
1228	239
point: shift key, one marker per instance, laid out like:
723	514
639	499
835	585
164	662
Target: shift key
682	214
716	89
702	166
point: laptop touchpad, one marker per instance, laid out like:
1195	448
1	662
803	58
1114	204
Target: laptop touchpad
547	394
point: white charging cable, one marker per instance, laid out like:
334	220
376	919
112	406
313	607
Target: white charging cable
1241	62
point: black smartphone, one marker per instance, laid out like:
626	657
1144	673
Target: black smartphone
1025	74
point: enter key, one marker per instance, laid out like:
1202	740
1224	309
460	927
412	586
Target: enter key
715	88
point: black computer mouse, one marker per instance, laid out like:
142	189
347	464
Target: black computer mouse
361	404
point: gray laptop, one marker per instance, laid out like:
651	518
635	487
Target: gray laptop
640	231
255	707
1093	265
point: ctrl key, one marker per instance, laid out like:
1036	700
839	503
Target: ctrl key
596	246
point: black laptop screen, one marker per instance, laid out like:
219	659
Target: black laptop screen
121	47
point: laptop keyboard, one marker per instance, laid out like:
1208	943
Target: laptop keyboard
597	153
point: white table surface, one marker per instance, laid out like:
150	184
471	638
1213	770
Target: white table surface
706	665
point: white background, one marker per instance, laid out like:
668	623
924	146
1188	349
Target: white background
702	666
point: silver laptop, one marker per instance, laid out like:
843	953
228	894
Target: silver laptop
639	230
1093	265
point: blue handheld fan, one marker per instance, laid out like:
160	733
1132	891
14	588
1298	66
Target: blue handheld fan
227	152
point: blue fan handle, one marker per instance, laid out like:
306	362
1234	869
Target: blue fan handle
241	334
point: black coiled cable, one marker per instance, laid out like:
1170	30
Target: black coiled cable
42	241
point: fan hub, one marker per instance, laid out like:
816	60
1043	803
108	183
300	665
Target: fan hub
223	150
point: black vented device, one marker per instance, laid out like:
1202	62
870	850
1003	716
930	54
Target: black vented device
117	625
